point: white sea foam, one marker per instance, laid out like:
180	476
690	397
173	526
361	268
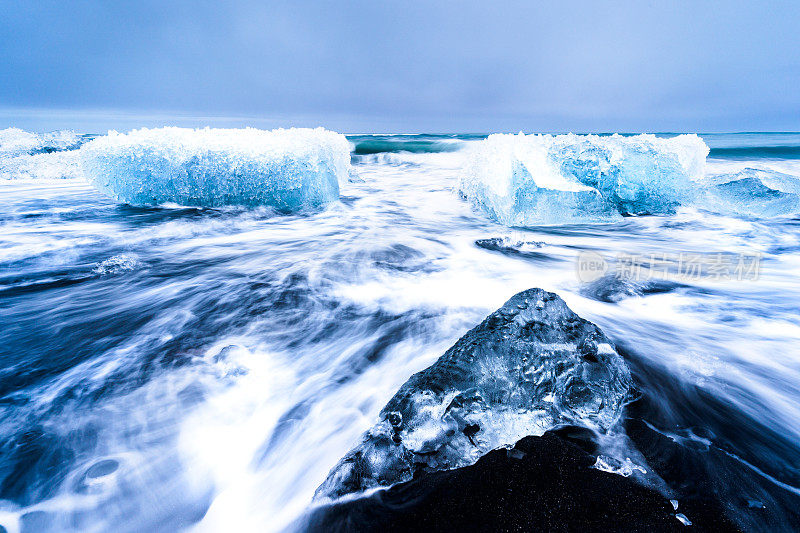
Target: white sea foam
284	169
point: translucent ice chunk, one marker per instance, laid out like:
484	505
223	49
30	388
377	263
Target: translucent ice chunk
640	174
513	179
285	169
543	179
529	366
624	468
753	192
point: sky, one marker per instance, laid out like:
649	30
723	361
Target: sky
377	66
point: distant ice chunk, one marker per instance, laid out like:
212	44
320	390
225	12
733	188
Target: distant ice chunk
615	287
523	180
753	192
14	141
530	250
624	468
284	169
26	155
529	366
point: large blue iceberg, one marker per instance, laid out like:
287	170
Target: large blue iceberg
530	366
284	169
753	193
523	180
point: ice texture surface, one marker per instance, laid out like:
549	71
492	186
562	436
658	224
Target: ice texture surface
46	165
529	366
754	193
284	169
523	180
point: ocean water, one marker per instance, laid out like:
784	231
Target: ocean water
174	367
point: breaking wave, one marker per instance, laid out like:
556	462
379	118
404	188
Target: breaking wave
416	144
755	152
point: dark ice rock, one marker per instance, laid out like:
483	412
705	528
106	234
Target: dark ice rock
513	248
541	484
613	288
529	366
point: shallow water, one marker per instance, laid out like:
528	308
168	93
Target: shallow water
172	367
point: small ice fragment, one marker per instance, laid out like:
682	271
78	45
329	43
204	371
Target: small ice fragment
674	504
528	250
611	465
116	264
682	517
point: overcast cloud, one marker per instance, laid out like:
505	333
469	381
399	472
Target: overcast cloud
402	66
